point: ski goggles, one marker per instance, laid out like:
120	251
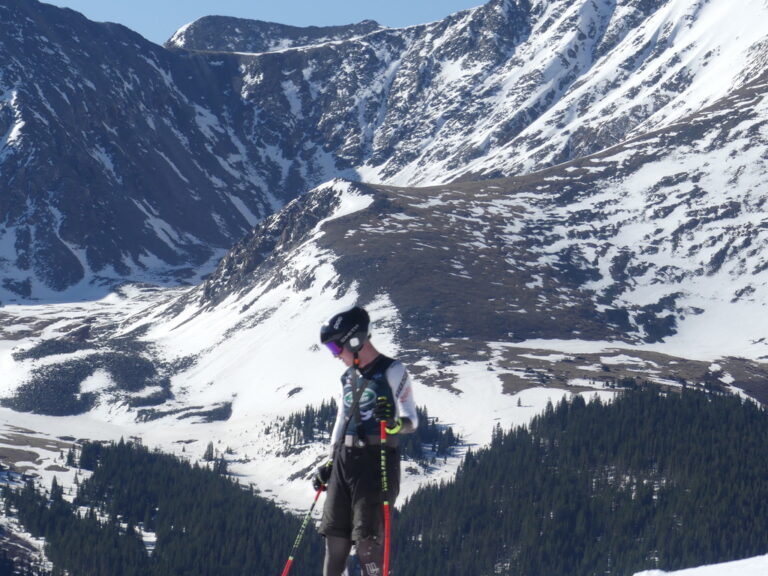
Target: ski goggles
335	348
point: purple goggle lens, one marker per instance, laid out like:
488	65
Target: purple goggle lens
334	347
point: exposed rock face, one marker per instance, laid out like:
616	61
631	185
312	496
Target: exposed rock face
124	160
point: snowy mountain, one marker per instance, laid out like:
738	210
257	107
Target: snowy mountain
657	242
508	88
118	159
227	34
606	270
513	86
654	244
532	199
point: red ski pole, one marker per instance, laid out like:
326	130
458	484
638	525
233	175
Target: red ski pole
385	490
301	533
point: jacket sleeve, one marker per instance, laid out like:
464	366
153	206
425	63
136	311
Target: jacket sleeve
402	391
338	432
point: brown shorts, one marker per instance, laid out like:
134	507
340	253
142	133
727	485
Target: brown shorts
354	501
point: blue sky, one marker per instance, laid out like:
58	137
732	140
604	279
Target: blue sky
157	20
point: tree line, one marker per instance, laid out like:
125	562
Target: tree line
649	480
202	523
430	442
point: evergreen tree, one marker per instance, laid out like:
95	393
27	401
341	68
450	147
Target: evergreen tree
204	524
647	481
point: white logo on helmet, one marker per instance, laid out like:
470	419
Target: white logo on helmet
349	334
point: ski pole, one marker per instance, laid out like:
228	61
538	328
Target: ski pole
301	533
385	492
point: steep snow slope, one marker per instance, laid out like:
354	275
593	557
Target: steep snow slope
255	352
509	87
614	70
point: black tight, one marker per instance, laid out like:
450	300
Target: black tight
369	552
336	553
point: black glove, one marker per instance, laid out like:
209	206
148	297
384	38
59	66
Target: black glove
322	475
384	409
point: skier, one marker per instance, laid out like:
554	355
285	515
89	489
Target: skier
375	388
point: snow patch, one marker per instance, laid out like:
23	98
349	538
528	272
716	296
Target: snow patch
757	566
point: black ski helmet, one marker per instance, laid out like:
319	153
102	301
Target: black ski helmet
346	329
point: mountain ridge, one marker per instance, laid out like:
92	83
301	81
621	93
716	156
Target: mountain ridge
499	90
229	34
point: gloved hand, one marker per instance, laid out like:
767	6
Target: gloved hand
385	412
322	475
384	409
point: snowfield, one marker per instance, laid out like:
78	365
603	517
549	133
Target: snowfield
757	566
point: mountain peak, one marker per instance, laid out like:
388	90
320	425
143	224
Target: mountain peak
229	34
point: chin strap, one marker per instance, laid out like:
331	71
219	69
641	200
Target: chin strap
357	393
